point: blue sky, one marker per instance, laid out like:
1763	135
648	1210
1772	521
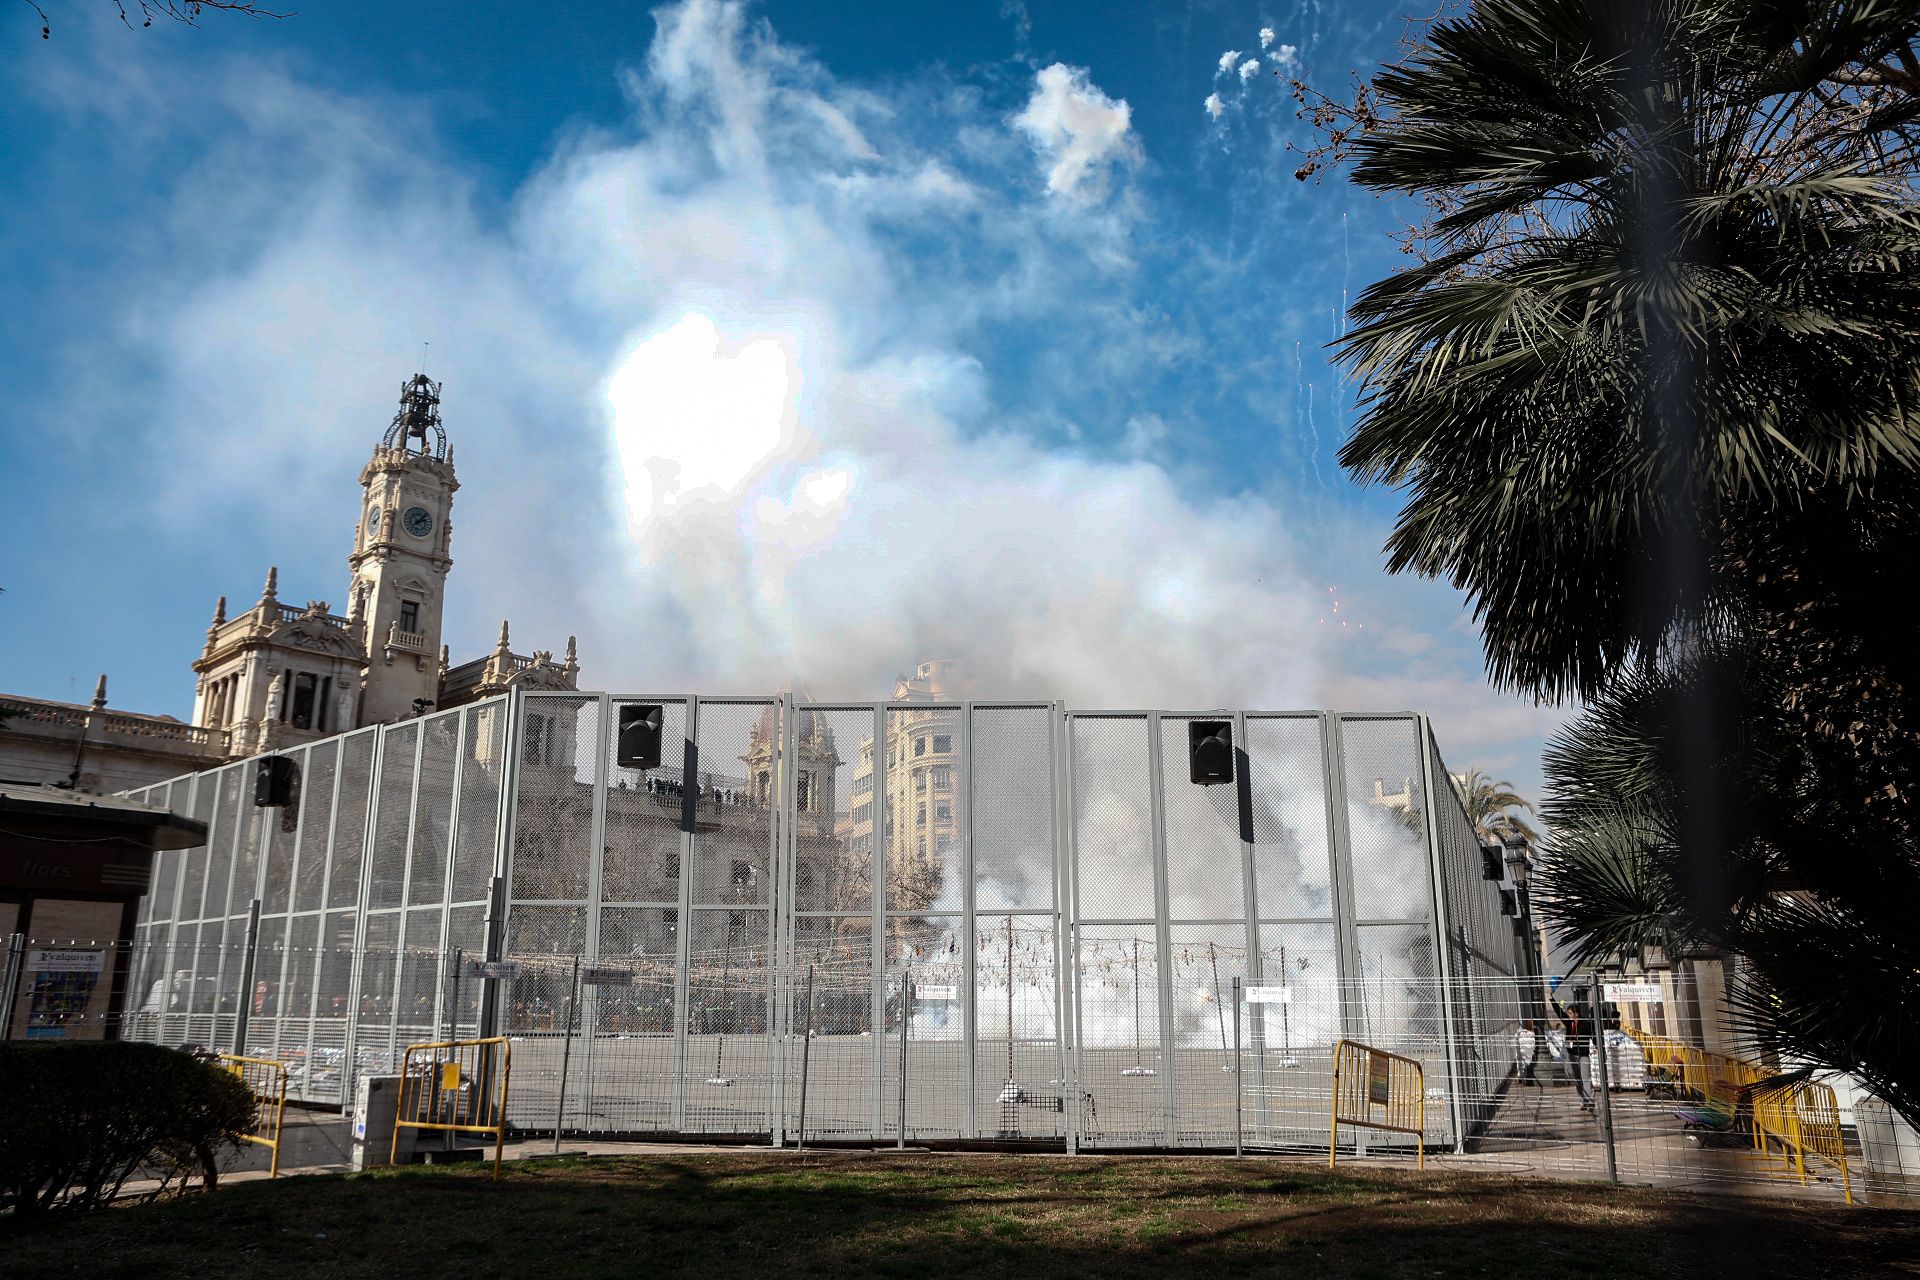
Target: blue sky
782	342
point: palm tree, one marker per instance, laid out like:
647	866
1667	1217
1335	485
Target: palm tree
1749	850
1491	807
1653	393
1671	283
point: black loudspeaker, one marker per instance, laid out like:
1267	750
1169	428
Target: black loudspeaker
1490	862
1210	751
640	726
273	781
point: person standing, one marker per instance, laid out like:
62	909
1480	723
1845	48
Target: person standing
1579	1044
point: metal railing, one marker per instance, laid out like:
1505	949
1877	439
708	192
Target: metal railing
266	1080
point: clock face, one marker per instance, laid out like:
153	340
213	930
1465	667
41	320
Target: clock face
418	521
373	518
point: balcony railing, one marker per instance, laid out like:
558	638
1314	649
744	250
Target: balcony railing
405	641
41	713
288	612
17	712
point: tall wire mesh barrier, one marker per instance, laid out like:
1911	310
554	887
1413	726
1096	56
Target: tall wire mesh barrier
923	920
599	1049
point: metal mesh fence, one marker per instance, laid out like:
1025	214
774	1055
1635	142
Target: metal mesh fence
598	1048
898	922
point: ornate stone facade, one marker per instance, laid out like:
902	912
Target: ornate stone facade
279	675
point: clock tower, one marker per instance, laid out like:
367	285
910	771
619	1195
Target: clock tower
401	557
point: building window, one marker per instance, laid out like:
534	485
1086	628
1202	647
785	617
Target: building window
942	742
763	786
806	790
919	746
410	617
862	813
920	815
944	812
920	780
306	690
537	740
942	776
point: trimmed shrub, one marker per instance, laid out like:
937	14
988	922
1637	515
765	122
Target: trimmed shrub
83	1116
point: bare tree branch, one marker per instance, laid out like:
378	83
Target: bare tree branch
185	12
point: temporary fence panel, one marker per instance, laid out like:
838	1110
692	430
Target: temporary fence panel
266	1081
1373	1089
1798	1122
456	1086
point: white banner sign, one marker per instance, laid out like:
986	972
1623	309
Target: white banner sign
486	969
66	961
1631	992
1269	995
936	991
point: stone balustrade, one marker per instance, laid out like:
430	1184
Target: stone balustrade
17	713
405	641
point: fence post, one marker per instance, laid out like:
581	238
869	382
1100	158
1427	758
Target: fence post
1239	1141
1600	1070
496	926
10	984
246	979
1168	1034
1066	951
566	1050
1453	988
806	1059
453	996
906	1018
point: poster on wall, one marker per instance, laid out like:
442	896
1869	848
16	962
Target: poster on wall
60	985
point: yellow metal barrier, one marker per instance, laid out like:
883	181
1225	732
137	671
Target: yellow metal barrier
1373	1089
1804	1119
1791	1122
457	1086
266	1080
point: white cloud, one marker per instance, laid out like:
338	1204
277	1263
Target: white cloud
1234	75
706	416
1080	133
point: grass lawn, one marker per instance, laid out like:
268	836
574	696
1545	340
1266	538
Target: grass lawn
920	1216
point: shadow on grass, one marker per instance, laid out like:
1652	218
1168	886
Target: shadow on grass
849	1215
